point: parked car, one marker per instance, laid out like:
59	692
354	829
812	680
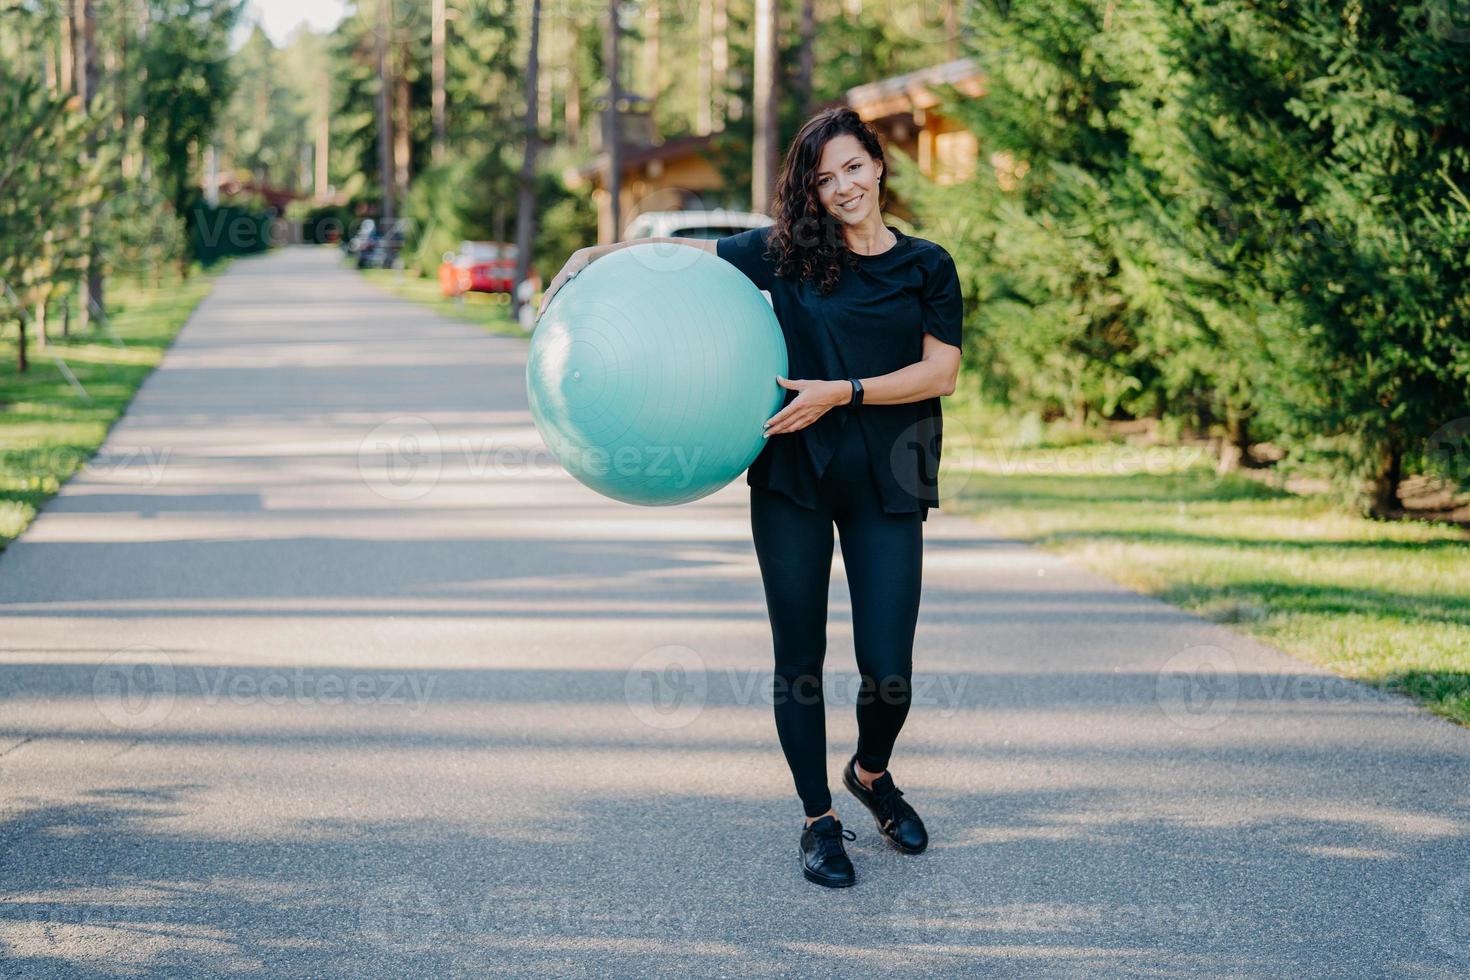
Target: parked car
479	267
373	248
384	251
361	239
717	223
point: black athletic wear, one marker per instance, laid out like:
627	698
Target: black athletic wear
883	556
895	818
872	324
823	858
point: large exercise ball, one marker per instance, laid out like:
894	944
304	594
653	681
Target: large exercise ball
653	371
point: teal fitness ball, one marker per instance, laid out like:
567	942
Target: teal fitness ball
653	371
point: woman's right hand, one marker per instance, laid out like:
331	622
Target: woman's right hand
575	264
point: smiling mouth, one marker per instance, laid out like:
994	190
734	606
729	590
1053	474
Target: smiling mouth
850	205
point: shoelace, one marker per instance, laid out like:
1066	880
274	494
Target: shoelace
829	842
892	807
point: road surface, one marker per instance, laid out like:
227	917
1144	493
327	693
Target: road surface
324	668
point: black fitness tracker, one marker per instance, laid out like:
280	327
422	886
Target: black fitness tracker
857	393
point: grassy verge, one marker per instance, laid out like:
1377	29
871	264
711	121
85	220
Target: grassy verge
47	429
1387	603
488	310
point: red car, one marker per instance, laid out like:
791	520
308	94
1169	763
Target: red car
479	267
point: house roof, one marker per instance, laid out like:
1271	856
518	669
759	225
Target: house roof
913	90
874	100
636	156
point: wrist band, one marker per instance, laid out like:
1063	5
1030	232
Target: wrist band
857	393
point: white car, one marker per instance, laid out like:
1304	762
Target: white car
693	224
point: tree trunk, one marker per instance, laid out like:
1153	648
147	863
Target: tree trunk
21	364
611	142
652	28
85	78
117	66
402	137
68	54
321	159
546	88
1387	473
573	120
385	125
808	36
526	213
95	281
704	111
40	319
719	57
1237	440
763	169
437	34
96	304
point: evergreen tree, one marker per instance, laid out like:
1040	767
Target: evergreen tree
189	83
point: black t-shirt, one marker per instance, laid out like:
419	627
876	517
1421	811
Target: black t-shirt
873	323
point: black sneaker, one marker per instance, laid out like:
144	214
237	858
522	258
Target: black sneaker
896	820
823	858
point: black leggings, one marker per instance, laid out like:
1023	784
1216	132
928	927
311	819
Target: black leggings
883	556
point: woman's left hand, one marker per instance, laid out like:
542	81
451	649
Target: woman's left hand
816	398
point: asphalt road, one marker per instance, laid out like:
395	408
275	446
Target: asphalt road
324	668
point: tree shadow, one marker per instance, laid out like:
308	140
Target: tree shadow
1071	881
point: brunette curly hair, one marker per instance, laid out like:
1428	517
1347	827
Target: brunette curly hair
806	241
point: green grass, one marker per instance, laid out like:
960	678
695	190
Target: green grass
488	310
47	430
1387	603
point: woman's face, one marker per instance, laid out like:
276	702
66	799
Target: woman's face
847	180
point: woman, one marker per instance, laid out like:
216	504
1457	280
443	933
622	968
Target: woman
872	319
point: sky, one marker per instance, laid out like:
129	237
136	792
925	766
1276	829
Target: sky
280	17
